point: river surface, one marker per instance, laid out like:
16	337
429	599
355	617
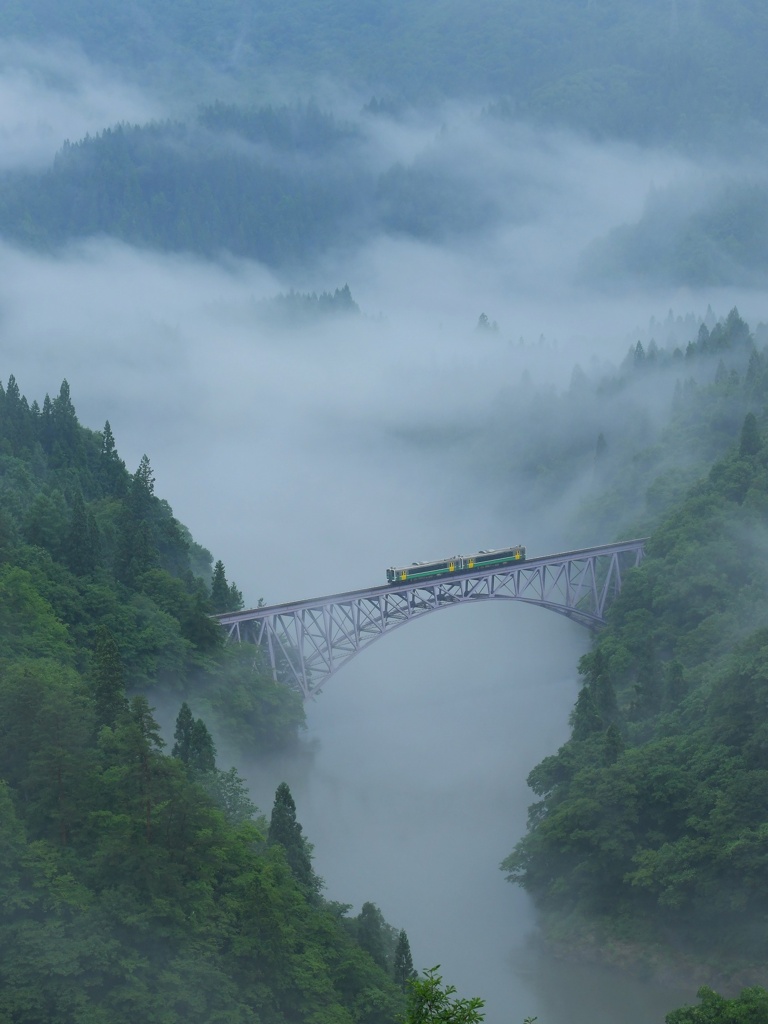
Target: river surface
412	789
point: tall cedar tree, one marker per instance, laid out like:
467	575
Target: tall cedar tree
286	830
402	966
194	745
202	752
225	597
108	679
220	595
183	733
112	473
143	744
138	552
370	933
81	545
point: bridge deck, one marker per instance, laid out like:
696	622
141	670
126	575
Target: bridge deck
247	615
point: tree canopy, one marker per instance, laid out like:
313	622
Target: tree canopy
649	820
137	884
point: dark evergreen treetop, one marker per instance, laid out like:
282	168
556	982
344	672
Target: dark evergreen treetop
285	830
183	734
402	966
108	677
371	933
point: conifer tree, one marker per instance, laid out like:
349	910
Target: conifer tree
235	600
286	830
138	553
81	546
65	424
194	744
112	473
46	428
183	733
584	718
17	425
142	744
370	933
108	679
220	591
402	967
202	752
750	442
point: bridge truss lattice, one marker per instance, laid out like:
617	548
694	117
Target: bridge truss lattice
306	642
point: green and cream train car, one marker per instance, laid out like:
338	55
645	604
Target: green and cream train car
491	559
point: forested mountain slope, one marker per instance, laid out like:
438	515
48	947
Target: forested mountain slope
86	544
678	70
134	885
278	184
650	823
288	183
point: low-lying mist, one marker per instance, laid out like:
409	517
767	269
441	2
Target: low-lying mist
52	94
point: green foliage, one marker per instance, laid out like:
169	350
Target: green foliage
751	1007
240	699
225	597
136	885
108	679
28	622
429	1002
371	934
286	832
96	571
183	734
402	964
651	816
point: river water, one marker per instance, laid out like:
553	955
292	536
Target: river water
412	789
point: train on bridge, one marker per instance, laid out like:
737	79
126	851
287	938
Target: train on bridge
458	563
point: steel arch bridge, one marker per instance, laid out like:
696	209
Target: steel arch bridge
305	642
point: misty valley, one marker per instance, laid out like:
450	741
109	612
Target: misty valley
393	304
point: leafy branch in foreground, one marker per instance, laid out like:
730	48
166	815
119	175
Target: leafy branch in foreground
430	1003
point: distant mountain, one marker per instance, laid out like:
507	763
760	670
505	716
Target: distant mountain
663	70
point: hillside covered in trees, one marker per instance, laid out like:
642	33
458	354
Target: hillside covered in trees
648	833
89	546
282	185
140	883
288	184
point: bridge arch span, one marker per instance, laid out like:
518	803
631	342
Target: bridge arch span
306	642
